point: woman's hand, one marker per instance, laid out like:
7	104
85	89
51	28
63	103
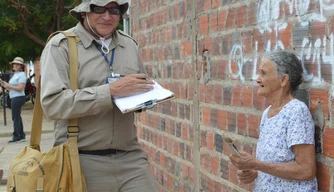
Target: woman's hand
6	85
247	176
243	162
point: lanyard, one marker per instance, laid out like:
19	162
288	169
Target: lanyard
106	57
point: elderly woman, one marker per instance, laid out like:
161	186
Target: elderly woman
285	156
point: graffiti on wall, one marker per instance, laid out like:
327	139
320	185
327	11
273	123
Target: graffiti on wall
312	51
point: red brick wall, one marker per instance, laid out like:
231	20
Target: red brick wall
236	33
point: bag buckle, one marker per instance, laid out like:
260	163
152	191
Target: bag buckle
72	131
12	188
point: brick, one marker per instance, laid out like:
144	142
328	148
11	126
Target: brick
218	143
230	23
206	116
215	166
215	3
227	95
213	22
221	70
185	131
247	42
203	139
253	125
318	29
202	92
326	72
216	46
204	182
285	35
241	16
222	16
252	13
233	174
226	44
258	101
231	122
211	185
209	94
210	136
317	97
247	97
222	120
242	124
259	38
236	95
300	32
189	153
328	142
204	24
208	43
323	177
218	94
186	48
219	187
214	118
224	169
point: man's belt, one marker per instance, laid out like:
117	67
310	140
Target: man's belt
100	152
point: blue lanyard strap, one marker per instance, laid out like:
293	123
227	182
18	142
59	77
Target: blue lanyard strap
105	56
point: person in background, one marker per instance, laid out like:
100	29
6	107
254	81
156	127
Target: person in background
111	158
285	155
16	87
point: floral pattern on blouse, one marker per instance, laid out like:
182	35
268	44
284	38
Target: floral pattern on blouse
293	125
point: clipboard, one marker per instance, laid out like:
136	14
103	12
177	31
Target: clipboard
145	100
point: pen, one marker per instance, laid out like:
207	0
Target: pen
139	78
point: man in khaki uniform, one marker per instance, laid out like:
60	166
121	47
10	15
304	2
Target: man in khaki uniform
110	155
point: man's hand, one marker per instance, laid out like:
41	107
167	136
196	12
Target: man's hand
130	85
244	162
247	176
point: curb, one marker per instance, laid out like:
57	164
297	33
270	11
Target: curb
8	134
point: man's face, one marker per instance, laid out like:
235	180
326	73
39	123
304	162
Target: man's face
103	23
268	79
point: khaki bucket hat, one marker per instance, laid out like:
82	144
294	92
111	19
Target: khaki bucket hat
17	60
85	6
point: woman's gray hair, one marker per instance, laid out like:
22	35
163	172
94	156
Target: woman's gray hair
287	63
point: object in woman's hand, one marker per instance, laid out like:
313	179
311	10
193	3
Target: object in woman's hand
233	148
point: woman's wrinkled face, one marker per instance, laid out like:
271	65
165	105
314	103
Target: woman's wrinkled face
268	79
103	23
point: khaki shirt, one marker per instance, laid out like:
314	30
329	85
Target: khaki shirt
101	124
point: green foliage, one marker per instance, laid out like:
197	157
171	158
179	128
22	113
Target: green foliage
25	28
42	17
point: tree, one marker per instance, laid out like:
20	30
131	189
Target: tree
26	24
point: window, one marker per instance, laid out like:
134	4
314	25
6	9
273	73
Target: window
126	20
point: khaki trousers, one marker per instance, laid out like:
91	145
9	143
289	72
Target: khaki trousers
122	172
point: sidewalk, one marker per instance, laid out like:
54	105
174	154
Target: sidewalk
27	113
6	132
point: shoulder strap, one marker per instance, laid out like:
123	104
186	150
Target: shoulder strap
73	128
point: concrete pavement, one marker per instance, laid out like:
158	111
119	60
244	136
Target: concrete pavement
12	149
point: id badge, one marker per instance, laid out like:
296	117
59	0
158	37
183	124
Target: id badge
111	79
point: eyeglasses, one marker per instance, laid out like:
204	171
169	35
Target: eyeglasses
101	10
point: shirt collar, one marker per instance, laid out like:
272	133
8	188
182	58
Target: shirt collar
87	39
